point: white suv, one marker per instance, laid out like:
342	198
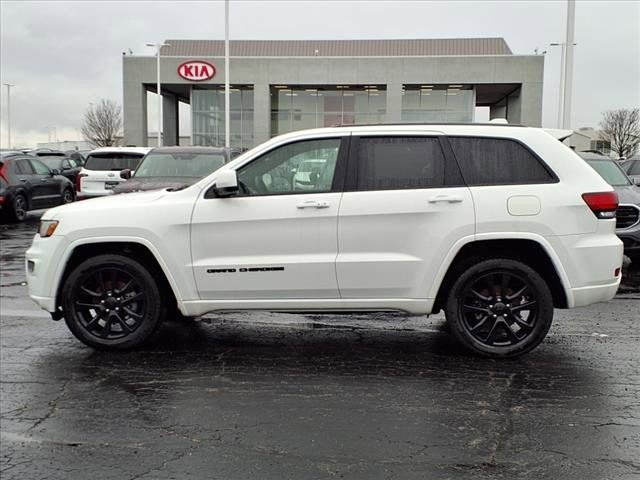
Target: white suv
496	225
101	171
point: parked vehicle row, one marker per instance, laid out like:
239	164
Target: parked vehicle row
495	225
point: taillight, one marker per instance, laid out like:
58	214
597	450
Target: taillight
79	181
3	172
602	204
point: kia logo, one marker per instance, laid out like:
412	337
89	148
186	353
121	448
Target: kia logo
196	70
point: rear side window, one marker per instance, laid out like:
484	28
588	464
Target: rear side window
112	161
398	163
23	167
498	161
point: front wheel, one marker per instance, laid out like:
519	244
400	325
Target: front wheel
500	308
112	302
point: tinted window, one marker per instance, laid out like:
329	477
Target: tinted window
497	161
390	163
51	162
611	173
180	164
301	167
23	167
40	168
112	161
634	168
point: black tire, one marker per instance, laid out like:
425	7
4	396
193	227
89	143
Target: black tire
67	196
19	208
112	302
486	321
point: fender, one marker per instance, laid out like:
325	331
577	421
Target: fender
178	293
457	246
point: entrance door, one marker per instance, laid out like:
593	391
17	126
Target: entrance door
277	238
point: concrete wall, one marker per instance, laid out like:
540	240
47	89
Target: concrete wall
525	107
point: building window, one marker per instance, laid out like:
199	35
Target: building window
300	107
602	146
207	112
437	103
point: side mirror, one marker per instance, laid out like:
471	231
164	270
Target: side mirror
55	171
226	184
126	174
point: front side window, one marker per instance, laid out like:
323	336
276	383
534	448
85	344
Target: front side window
397	163
180	164
497	161
40	168
301	167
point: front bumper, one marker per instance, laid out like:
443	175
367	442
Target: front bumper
41	261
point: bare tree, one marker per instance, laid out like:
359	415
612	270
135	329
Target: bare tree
102	123
622	129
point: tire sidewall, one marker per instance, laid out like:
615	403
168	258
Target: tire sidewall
26	207
153	314
544	312
64	192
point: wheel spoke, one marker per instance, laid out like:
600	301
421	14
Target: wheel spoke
479	295
94	320
480	323
519	293
123	324
510	333
521	321
91	293
473	308
89	305
504	285
491	286
124	288
132	313
492	332
131	299
523	306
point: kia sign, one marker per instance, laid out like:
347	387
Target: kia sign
196	70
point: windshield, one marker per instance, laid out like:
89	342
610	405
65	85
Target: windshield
51	162
179	164
112	161
611	172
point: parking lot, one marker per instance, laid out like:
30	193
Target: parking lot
316	396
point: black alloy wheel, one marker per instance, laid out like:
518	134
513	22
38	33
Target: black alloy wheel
500	308
20	207
112	302
67	196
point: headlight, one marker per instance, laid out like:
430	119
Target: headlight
47	227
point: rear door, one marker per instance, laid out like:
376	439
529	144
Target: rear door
406	207
48	187
26	177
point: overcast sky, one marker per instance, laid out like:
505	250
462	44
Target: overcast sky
63	55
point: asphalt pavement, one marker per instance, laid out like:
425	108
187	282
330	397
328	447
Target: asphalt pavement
277	396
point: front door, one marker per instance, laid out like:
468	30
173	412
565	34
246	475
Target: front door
404	207
277	239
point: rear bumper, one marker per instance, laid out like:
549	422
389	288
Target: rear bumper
583	296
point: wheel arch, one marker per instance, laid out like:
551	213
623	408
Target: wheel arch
531	251
138	249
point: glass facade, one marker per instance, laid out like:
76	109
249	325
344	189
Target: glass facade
299	107
207	116
437	103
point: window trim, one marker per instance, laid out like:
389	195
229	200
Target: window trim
339	172
351	181
554	178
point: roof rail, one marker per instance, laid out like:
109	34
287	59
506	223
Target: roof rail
403	124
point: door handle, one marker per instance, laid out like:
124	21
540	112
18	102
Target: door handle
312	204
23	179
445	198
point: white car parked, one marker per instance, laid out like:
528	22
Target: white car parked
101	171
496	225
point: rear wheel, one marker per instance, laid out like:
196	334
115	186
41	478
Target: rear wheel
67	196
112	302
19	208
500	308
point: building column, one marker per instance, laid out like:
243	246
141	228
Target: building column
498	110
394	102
134	114
170	120
261	113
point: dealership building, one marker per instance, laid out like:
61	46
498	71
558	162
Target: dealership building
282	86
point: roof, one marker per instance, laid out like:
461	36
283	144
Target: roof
189	149
338	48
142	150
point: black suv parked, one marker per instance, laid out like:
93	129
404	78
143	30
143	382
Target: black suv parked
28	184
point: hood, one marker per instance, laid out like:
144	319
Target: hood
153	183
628	194
94	205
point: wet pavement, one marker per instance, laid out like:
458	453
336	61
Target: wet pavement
276	396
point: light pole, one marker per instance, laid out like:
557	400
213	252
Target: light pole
568	74
9	85
561	92
227	108
158	46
